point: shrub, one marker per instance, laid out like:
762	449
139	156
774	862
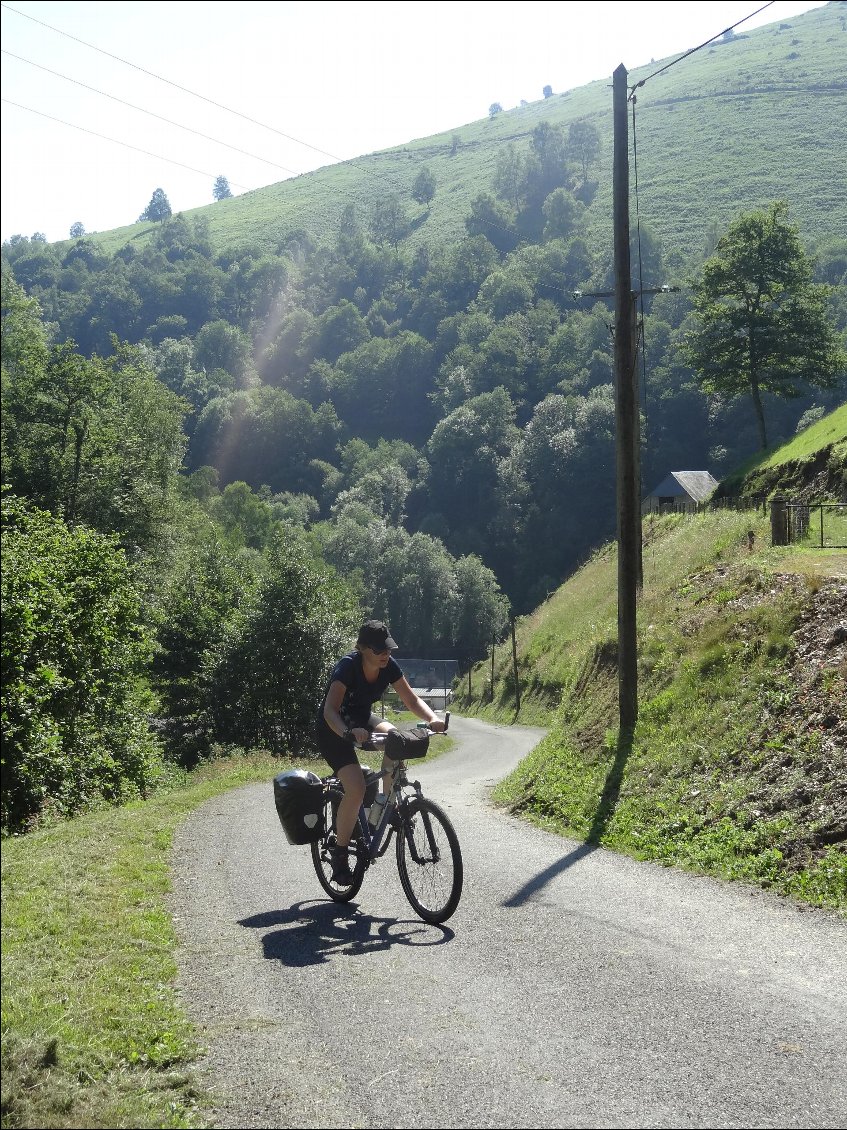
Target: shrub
73	726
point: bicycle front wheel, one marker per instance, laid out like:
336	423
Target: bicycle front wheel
429	860
322	855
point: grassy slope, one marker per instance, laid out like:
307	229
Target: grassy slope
817	449
831	431
724	764
730	129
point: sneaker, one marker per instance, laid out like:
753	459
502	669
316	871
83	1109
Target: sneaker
341	872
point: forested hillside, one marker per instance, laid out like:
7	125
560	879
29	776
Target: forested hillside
271	416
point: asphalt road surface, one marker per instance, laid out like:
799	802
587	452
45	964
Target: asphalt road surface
572	987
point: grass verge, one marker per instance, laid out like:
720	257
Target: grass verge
92	1031
738	766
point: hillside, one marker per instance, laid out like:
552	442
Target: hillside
812	467
738	766
728	129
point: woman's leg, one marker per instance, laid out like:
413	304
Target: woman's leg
352	778
381	726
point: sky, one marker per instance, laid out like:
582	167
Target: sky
103	103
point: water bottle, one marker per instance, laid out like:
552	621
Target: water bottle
375	814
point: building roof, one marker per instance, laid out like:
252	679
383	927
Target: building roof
696	484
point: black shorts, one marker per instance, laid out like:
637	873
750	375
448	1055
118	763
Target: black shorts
337	751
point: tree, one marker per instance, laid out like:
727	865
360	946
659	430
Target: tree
97	440
77	230
158	209
509	174
204	584
494	109
388	220
760	324
266	676
221	190
73	651
423	190
547	92
584	145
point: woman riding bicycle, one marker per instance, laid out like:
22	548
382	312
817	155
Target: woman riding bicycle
358	680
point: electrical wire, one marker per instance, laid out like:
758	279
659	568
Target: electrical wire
151	113
694	50
114	140
175	85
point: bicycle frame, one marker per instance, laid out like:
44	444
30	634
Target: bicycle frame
376	839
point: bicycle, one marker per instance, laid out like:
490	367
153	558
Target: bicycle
429	858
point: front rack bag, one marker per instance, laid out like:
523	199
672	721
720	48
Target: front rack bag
402	745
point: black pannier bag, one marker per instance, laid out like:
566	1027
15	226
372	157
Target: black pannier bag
299	799
400	745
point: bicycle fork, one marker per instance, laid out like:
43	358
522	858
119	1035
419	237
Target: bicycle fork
405	829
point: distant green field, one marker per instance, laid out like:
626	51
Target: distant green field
726	130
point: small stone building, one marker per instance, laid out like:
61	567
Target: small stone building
681	491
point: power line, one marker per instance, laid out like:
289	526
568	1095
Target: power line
115	141
194	94
151	113
693	50
175	85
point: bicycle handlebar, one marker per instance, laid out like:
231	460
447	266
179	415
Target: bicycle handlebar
377	739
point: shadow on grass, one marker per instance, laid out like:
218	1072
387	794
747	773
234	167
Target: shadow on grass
605	812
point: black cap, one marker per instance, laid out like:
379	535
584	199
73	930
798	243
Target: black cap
374	634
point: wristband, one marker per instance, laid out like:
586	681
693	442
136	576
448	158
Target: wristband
349	736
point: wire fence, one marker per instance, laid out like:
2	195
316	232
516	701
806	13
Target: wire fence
816	525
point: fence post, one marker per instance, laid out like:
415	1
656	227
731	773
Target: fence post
779	520
515	665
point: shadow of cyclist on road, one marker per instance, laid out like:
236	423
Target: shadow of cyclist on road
310	933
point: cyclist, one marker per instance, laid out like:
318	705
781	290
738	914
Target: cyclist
358	680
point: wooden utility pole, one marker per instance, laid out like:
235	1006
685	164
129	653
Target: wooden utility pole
627	422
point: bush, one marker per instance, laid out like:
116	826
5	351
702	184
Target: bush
267	676
73	726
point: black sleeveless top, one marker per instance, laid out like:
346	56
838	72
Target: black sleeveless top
357	704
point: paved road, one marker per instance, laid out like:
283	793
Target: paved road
572	988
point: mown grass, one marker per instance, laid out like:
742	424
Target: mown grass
829	432
832	429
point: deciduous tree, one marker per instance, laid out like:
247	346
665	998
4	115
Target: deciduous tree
221	189
761	325
158	209
423	190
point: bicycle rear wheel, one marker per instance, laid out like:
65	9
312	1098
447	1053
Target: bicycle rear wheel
429	860
322	854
